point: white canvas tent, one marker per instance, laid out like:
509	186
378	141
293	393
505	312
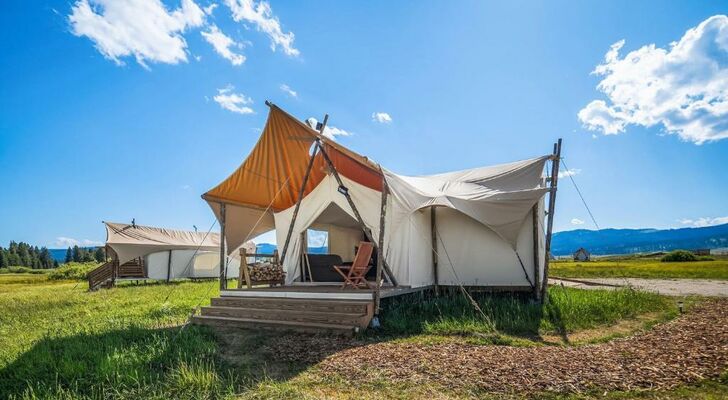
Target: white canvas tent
474	227
169	253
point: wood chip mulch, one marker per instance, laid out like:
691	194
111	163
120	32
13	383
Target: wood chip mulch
688	349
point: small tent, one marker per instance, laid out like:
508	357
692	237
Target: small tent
169	253
475	227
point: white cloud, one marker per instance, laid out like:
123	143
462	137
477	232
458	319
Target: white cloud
570	172
317	238
222	44
683	88
330	132
287	90
705	221
144	29
209	9
64	242
576	221
185	187
381	117
261	15
231	101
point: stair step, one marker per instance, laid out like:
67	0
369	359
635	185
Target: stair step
354	319
317	305
271	324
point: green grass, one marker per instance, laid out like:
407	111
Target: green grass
59	341
641	268
568	310
73	271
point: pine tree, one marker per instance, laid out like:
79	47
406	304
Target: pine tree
3	258
69	256
77	256
99	255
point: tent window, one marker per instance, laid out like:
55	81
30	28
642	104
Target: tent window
318	241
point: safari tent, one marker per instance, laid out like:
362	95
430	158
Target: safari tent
146	252
479	227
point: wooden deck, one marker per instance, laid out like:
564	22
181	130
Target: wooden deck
318	291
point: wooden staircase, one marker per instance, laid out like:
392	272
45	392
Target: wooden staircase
105	275
301	315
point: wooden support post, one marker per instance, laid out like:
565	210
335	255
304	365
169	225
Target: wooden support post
223	278
367	231
433	229
536	258
550	220
300	195
380	245
244	274
169	265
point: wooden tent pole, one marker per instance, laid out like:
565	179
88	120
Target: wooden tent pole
169	265
536	258
380	246
223	282
550	222
345	192
300	198
433	229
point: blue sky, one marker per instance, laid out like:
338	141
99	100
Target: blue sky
104	117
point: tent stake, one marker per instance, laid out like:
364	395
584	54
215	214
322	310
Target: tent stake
550	223
223	283
364	228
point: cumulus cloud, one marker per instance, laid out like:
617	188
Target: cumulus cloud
223	44
261	15
143	29
63	241
209	9
570	172
235	102
330	132
705	221
287	90
576	221
381	117
682	88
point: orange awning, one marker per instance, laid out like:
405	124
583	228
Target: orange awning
273	173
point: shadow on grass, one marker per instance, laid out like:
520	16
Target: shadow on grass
140	362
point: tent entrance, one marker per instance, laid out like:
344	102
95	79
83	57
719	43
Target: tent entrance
343	235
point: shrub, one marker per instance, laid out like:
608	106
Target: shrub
72	271
22	270
678	256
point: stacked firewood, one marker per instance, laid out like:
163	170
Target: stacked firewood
266	272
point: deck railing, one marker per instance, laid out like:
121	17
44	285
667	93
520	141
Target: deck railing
103	275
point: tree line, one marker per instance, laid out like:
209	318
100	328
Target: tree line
24	255
80	254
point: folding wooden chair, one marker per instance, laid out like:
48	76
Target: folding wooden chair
355	275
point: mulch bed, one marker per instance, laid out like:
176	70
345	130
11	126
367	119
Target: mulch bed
688	349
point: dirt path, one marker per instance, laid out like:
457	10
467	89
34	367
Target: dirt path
691	348
669	287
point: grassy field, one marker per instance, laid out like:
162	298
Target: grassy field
59	341
640	268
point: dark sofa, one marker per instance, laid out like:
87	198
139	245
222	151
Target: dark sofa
322	268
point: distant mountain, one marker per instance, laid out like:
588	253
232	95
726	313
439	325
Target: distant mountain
60	254
627	241
267	248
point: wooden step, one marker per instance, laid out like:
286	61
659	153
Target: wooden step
335	306
307	327
350	319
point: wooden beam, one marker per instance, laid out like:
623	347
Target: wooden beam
169	265
380	245
433	229
536	258
300	198
550	221
244	274
223	281
363	226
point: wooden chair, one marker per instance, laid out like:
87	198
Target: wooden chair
355	275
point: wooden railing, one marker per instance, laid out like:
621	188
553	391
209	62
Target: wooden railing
104	275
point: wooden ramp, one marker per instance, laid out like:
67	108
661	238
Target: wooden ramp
296	314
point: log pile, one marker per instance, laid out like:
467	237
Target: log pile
265	272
